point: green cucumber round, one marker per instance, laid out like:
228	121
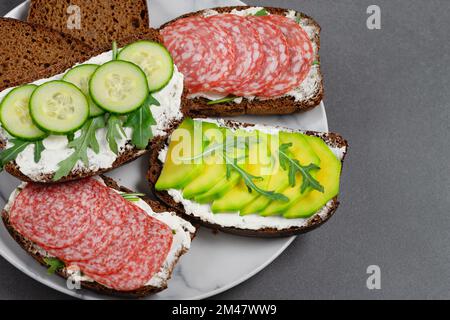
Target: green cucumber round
59	107
119	87
15	114
80	76
154	59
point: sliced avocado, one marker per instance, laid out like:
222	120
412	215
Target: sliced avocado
178	168
214	168
328	176
222	187
304	153
279	180
257	163
226	183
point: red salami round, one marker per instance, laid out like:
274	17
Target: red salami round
145	263
203	52
99	236
56	216
300	54
125	240
276	57
249	55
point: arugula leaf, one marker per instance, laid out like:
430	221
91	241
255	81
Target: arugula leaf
232	164
316	63
248	179
209	150
86	140
294	166
298	18
141	121
54	265
262	12
38	148
115	50
223	100
10	154
114	131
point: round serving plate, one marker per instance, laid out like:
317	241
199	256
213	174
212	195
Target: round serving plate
216	262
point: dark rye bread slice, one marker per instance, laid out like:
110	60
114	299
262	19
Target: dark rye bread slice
125	157
198	107
332	139
29	247
102	21
29	52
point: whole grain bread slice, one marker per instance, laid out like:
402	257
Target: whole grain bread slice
29	52
30	248
332	139
101	21
127	156
198	107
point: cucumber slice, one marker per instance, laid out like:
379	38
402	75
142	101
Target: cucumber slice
59	107
15	114
80	77
119	87
154	59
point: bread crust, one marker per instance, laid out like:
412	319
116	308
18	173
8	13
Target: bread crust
20	37
102	21
155	170
198	107
27	245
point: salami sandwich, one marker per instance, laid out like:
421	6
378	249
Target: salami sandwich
247	60
99	235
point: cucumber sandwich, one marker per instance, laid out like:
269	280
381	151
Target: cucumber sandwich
251	180
93	117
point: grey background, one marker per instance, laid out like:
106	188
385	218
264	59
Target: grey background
387	92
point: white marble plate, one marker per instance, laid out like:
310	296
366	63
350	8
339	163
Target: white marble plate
216	262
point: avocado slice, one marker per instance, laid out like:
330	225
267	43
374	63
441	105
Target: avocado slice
226	183
178	172
279	181
222	187
328	176
214	168
304	153
258	163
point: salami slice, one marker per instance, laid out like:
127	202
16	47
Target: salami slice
56	216
300	53
203	52
90	245
249	55
276	57
125	239
145	263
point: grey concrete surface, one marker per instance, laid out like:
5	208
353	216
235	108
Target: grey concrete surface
387	92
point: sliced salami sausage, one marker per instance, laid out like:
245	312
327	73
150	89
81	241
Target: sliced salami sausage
249	55
99	236
203	52
300	54
276	57
146	262
56	216
125	240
